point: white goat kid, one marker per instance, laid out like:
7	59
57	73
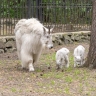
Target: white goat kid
31	38
62	58
79	58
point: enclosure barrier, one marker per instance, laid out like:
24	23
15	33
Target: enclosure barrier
66	15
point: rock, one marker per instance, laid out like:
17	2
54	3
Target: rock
77	38
72	37
57	37
76	35
84	40
10	50
84	37
10	44
1	51
55	43
67	39
89	34
14	49
10	39
69	34
2	45
3	40
84	34
60	42
88	38
53	38
60	36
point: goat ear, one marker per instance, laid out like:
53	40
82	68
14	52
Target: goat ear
52	29
44	30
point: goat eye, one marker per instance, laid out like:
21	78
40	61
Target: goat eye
46	42
61	59
47	36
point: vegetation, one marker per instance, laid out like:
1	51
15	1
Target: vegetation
11	8
66	11
54	11
46	80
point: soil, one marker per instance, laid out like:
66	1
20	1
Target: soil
45	80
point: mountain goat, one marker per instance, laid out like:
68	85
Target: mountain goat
62	58
79	58
31	38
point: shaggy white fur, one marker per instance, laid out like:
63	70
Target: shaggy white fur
62	58
79	58
31	38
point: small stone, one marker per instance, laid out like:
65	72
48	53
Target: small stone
41	74
8	56
49	67
42	70
1	51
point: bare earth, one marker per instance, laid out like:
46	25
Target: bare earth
46	80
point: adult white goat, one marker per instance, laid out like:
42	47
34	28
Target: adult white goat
79	58
62	58
31	38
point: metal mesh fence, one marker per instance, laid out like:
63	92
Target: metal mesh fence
66	15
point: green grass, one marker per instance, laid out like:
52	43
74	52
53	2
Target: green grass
68	79
66	90
13	89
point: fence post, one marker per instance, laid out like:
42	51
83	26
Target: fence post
28	11
39	9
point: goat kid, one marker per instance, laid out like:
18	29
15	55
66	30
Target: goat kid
79	58
62	58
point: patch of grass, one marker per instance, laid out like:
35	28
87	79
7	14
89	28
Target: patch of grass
13	89
52	82
69	69
49	58
48	85
18	61
88	93
92	89
10	78
71	59
66	90
59	90
68	79
59	75
40	84
2	62
53	56
80	87
77	72
37	70
48	75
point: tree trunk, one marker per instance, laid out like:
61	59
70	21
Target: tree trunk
91	58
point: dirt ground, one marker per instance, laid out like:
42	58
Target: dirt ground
46	80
